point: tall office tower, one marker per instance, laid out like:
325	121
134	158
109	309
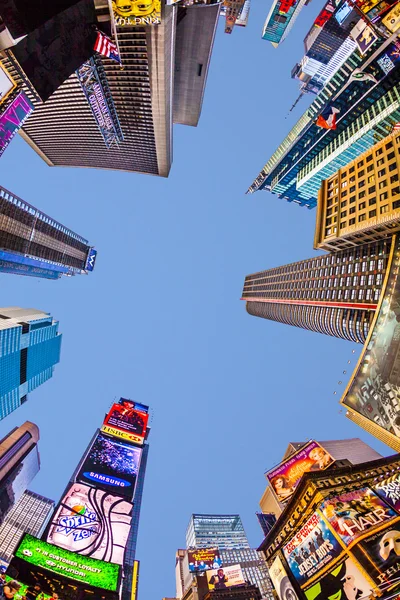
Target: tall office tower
29	349
29	515
19	463
336	294
163	79
227	533
32	243
107	486
343	452
280	20
310	154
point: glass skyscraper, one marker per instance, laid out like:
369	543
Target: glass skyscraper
30	347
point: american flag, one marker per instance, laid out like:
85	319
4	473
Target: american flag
106	47
396	127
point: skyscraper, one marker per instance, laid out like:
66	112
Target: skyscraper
29	515
162	82
29	349
19	463
280	20
108	483
336	294
32	243
227	533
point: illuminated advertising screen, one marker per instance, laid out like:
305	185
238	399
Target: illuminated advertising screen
7	83
374	390
12	119
311	549
344	581
389	490
379	554
286	476
363	36
91	522
281	581
91	259
352	514
392	20
126	421
219	579
204	559
131	13
80	568
111	465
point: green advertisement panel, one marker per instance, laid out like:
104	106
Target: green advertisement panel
90	571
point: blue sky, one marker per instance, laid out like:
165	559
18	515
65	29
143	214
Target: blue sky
160	319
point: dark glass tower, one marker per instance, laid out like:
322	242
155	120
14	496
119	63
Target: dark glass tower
336	294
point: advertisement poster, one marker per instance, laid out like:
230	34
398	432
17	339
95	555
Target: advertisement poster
374	390
204	559
354	513
363	36
388	60
344	582
130	12
92	522
285	477
389	490
91	259
111	465
7	84
392	20
219	579
127	421
379	554
68	564
13	118
313	547
281	581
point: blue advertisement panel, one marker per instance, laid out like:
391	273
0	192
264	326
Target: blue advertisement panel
12	119
91	259
23	265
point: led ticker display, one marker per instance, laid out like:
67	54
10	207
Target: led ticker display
111	465
286	476
126	421
80	568
203	559
311	549
91	522
352	514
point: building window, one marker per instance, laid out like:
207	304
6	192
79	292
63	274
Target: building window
362	217
384	209
352	221
372	201
372	189
392	166
352	199
382	172
369	158
343	214
370	168
396	204
361	205
343	194
372	213
344	203
352	189
360	164
379	152
382	184
351	170
371	179
383	196
352	210
361	194
361	183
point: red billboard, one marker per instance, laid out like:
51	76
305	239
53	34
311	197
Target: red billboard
126	421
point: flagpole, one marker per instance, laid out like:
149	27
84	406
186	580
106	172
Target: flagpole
114	30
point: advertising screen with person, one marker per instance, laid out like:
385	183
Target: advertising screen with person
126	421
225	577
203	559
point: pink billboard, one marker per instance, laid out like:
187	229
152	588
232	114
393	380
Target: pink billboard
12	118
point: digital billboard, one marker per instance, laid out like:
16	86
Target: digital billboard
281	581
111	465
392	20
352	514
389	490
379	554
7	83
131	13
374	390
363	36
12	119
344	581
91	259
91	522
286	476
126	421
203	559
311	549
80	568
219	579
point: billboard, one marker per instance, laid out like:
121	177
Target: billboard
80	568
204	559
389	490
111	465
363	36
7	84
91	522
281	581
91	259
374	390
12	119
125	421
392	20
136	12
345	581
379	554
286	476
219	579
311	549
352	514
